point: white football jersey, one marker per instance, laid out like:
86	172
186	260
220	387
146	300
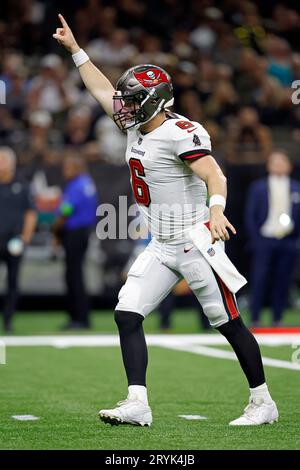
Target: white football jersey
170	196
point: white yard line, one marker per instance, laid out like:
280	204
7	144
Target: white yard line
152	340
222	354
196	344
62	341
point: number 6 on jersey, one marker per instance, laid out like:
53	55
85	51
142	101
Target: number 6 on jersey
139	186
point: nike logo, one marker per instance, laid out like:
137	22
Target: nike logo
186	250
192	130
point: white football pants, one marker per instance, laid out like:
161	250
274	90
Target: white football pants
162	265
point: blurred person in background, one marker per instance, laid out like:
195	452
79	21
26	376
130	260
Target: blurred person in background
18	222
279	59
223	100
204	36
76	218
248	140
152	51
51	90
17	92
190	105
111	142
185	75
250	31
116	50
36	141
273	227
79	133
12	65
78	126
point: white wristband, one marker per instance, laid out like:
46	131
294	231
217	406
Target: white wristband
80	58
217	200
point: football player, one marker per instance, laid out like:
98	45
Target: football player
171	171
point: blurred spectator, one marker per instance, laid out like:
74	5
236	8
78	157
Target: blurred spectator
36	142
116	50
279	60
181	45
206	78
152	52
12	63
190	106
250	32
76	218
244	82
111	141
223	99
16	93
287	23
248	141
79	133
204	35
228	49
18	221
51	90
273	227
78	126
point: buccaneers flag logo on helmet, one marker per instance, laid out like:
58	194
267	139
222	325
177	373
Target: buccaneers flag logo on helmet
151	77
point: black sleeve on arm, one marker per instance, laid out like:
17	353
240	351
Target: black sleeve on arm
194	155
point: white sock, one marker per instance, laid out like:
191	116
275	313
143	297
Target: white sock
138	392
261	392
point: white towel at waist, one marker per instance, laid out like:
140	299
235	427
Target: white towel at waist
217	258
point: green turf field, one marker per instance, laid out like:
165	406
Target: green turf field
65	388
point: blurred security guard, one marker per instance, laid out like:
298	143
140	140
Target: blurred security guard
77	216
17	225
273	225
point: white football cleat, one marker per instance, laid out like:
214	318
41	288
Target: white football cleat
129	411
256	413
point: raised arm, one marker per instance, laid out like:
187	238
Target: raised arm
210	172
95	81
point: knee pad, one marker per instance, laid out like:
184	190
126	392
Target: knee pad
128	321
214	312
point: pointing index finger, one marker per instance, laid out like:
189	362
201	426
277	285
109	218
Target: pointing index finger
63	21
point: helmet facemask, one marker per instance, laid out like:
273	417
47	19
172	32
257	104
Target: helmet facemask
133	110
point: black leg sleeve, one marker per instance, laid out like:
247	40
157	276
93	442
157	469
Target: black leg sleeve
133	346
246	349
